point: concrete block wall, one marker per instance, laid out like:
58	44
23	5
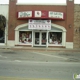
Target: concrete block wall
77	26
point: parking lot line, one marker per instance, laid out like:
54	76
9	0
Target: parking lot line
50	55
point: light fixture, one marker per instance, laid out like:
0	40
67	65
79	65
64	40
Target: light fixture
70	26
79	29
76	30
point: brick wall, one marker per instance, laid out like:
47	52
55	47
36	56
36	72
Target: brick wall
77	26
70	21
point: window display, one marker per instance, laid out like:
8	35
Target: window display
37	37
55	37
25	37
44	38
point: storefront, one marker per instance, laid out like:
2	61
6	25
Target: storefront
56	36
40	32
3	24
41	25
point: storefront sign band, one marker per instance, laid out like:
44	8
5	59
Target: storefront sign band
40	15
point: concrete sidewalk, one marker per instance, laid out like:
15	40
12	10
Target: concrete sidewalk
39	48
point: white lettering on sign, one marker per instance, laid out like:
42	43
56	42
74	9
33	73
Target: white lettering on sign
39	24
56	15
25	14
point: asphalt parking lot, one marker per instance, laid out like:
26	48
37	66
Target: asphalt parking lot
46	56
17	64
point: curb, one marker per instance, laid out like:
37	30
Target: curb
41	49
37	49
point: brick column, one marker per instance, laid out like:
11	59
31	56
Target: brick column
12	19
70	20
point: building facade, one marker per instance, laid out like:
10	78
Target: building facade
41	25
4	11
55	26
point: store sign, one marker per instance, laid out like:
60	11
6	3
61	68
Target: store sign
39	24
58	15
40	15
25	14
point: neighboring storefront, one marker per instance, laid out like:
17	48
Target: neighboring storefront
77	26
3	24
41	25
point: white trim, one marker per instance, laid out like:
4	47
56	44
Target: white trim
24	44
32	38
58	26
47	39
53	25
16	37
10	42
69	45
2	44
54	44
6	33
63	38
21	26
64	4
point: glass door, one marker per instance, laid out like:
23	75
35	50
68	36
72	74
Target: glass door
40	38
43	38
37	38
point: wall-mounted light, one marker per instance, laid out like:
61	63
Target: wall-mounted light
79	29
70	25
76	30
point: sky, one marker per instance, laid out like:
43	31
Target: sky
39	1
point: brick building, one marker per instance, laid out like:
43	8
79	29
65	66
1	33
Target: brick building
64	30
41	25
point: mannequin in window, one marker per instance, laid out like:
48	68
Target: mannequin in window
27	36
23	37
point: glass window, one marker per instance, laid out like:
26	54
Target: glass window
25	37
55	37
